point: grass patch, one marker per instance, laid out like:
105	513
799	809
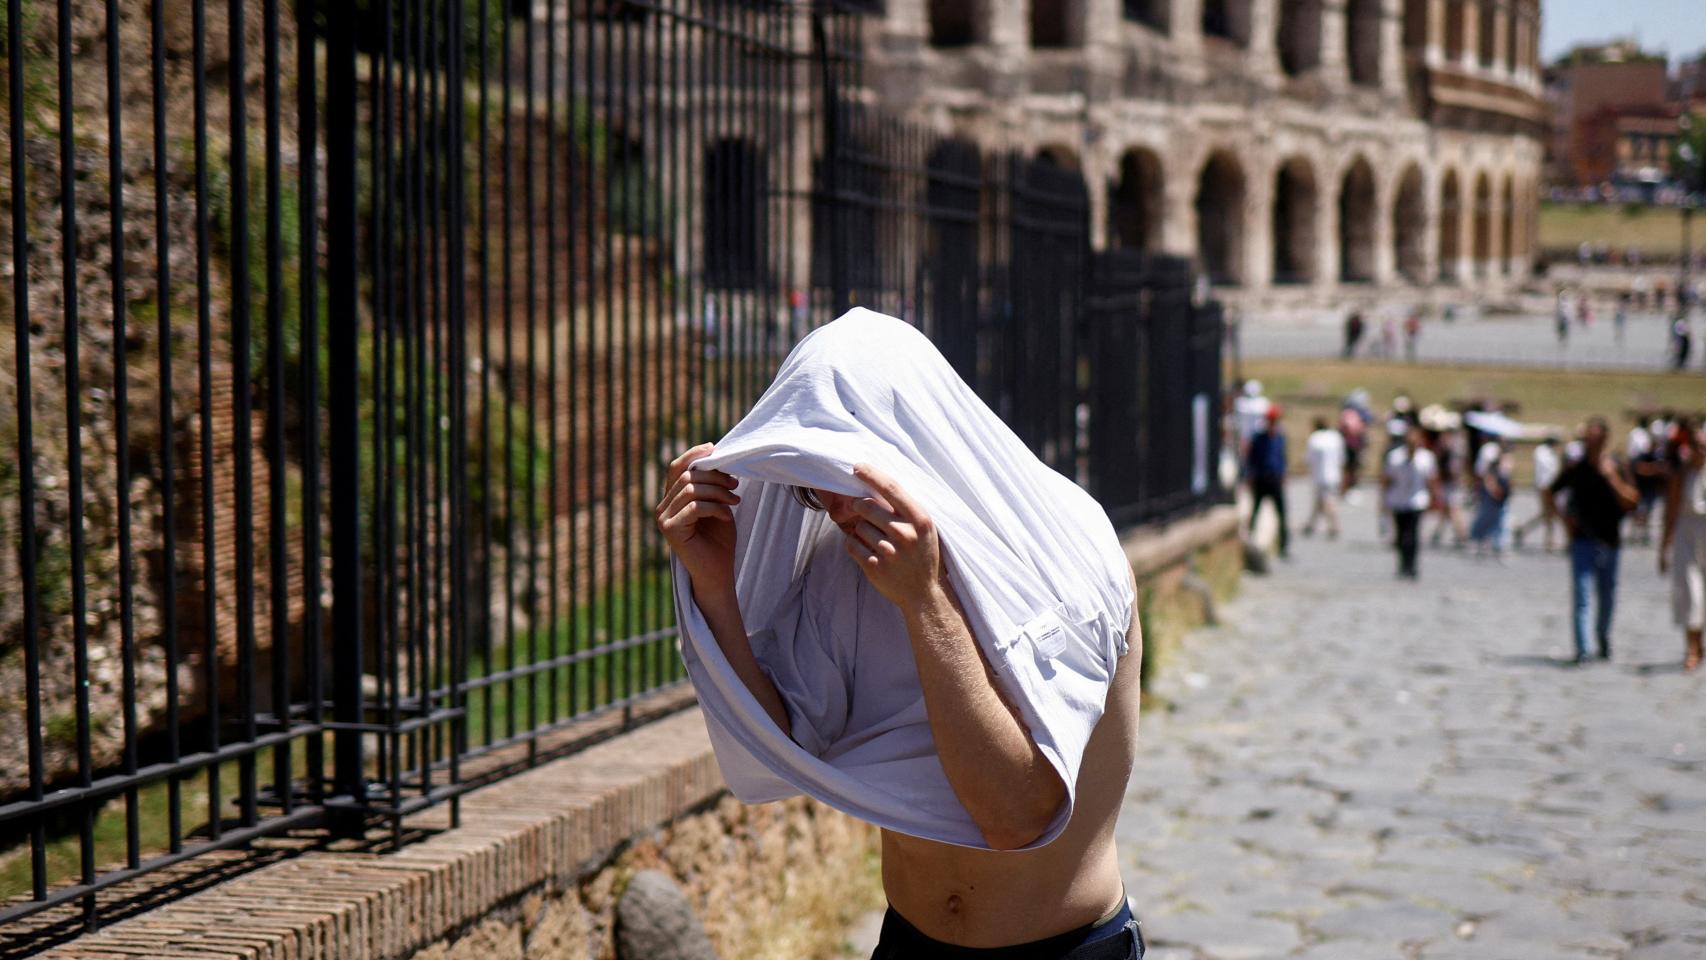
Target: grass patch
1652	230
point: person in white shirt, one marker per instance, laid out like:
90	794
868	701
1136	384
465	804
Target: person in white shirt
1250	414
1546	467
1326	453
1409	484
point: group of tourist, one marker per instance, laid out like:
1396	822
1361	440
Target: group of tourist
1455	469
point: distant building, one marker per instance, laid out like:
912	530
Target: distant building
1615	111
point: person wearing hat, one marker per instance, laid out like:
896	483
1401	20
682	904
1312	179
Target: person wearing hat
1265	465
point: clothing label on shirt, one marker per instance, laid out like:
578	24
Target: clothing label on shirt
1047	635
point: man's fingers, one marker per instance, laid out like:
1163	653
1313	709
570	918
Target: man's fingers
874	512
699	480
904	506
859	551
680	464
693	512
695	492
867	534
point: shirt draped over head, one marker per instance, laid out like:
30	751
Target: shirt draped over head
1033	559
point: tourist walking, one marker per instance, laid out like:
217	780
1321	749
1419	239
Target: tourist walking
1412	333
1561	318
1546	468
1326	471
1683	547
1265	466
1409	484
1354	419
1600	492
1355	327
1447	460
1492	499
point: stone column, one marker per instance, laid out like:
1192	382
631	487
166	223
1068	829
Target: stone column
1328	260
1178	201
1335	28
1392	79
1430	227
1385	191
1264	28
1472	34
906	18
1434	52
1009	28
1501	32
1258	267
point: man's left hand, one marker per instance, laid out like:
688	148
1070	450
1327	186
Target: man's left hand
894	541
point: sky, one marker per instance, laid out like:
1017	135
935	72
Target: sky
1673	27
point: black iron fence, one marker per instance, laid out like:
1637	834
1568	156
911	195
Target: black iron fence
349	341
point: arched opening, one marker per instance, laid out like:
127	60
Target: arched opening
1415	24
1356	223
1456	12
1450	227
1482	251
1057	24
1059	155
1362	41
1151	12
1513	40
1409	227
1220	219
1296	212
736	235
1507	227
957	23
1299	38
1227	19
1488	36
1135	202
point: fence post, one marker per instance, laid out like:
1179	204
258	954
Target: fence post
343	388
831	184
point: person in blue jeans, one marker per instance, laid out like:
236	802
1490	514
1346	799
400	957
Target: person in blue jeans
1597	493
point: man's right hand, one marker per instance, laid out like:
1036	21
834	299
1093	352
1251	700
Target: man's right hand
695	518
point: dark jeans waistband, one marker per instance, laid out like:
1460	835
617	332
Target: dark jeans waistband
1116	938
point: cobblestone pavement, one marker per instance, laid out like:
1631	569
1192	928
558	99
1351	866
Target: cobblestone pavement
1353	766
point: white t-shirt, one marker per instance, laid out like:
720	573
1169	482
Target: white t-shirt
1640	442
1409	476
1252	416
1487	456
1326	457
1545	467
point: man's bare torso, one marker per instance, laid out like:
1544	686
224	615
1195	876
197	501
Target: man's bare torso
983	898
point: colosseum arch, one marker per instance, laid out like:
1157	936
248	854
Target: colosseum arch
1220	218
1155	13
1296	215
1507	226
1450	227
1410	225
1456	27
1416	24
1357	213
1362	41
1060	155
1481	253
1299	37
1057	24
1136	201
1227	19
958	23
1487	36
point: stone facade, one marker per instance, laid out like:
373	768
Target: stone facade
1304	151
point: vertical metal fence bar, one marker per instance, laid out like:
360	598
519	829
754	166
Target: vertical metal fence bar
26	441
168	475
307	80
508	393
458	336
204	364
384	184
74	449
623	583
483	617
531	267
241	402
121	407
343	398
609	347
277	536
575	116
553	475
433	410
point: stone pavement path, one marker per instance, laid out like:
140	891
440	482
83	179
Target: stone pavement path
1357	767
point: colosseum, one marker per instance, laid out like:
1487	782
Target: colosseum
1304	151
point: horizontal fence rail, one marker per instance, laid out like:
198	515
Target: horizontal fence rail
348	346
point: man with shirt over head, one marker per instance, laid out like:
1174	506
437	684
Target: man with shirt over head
1600	493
